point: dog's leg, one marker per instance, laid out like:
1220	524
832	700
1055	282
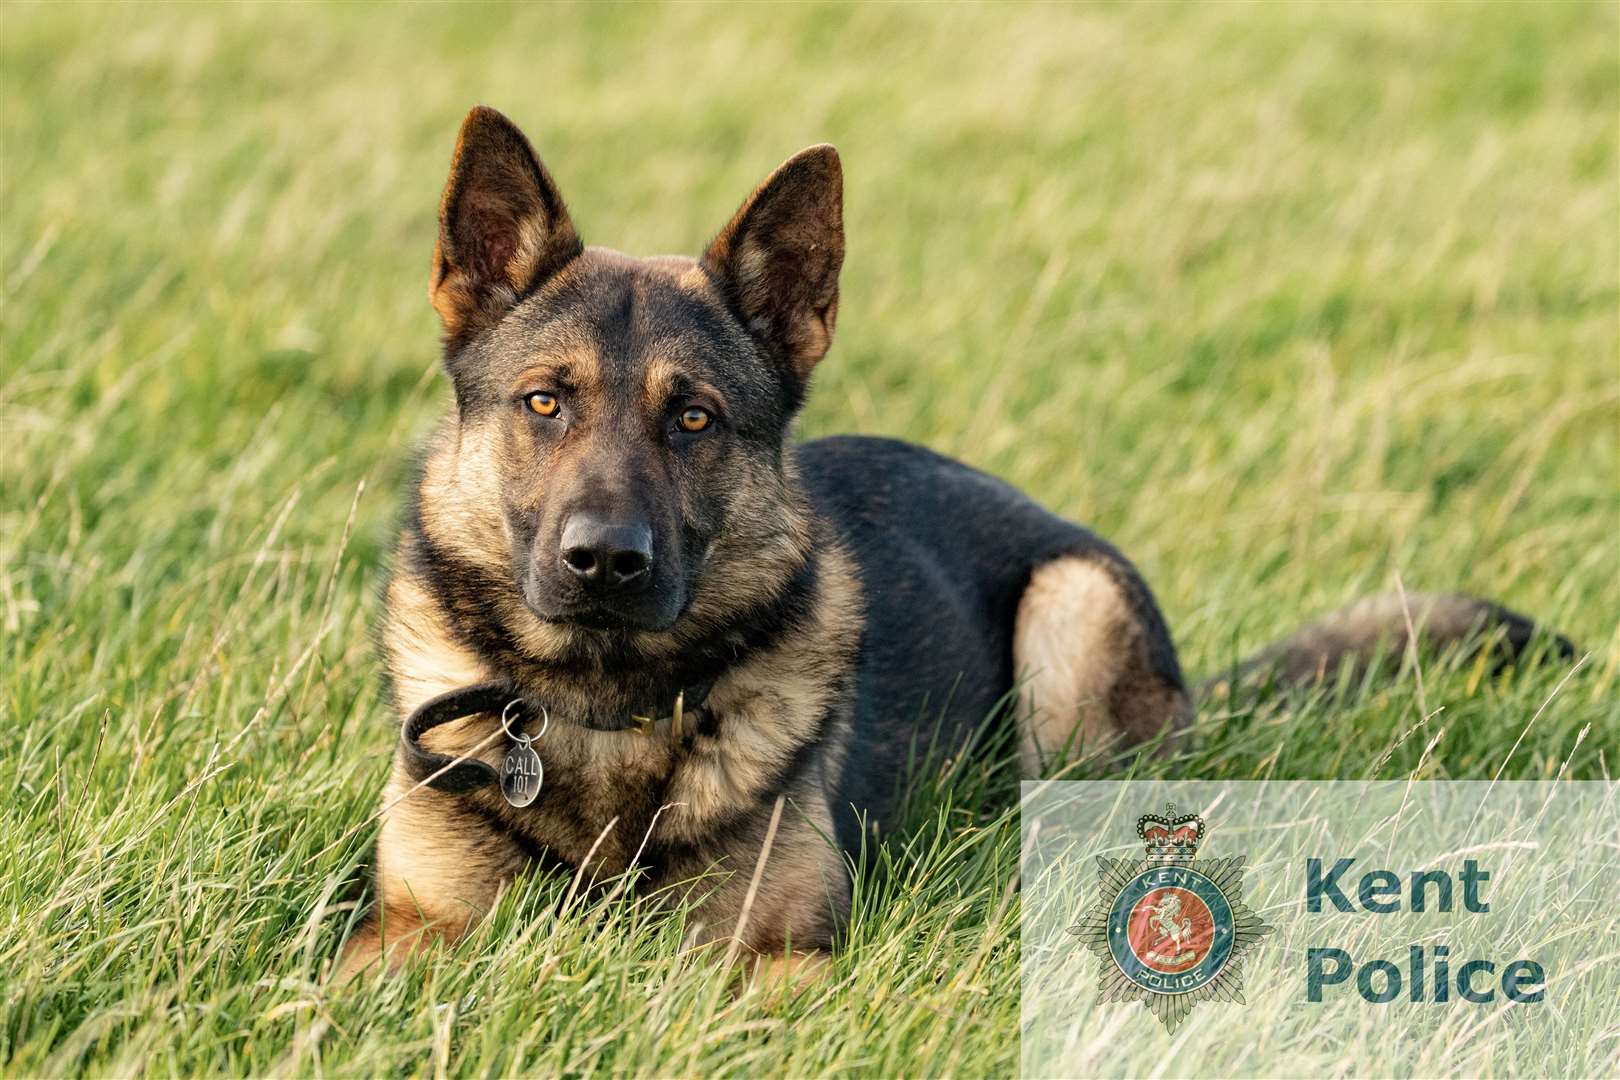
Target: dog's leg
788	973
1095	660
772	909
440	868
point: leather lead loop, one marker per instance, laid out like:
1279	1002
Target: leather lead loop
457	777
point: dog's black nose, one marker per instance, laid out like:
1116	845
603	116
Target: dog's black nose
607	556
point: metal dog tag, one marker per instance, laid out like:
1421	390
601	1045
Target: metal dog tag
521	774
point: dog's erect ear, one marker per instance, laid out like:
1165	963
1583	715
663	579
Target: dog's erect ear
503	228
778	259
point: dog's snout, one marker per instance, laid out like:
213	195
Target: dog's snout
607	556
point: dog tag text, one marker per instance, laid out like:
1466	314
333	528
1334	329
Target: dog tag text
521	774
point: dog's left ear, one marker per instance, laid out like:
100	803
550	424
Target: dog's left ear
503	228
777	261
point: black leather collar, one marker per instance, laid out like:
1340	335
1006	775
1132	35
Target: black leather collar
457	777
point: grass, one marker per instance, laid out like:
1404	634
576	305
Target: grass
1287	301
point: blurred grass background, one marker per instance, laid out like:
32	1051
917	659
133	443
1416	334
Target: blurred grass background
1285	300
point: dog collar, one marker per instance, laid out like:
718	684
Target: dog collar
520	773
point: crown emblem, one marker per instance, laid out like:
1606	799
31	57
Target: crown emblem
1170	837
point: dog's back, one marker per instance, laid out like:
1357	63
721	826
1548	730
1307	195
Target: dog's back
947	553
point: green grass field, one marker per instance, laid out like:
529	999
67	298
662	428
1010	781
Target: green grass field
1289	302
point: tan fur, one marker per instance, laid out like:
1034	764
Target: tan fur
423	659
461	475
789	973
690	276
765	704
1079	648
579	365
439	870
660	379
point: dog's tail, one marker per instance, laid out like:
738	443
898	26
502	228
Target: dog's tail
1358	636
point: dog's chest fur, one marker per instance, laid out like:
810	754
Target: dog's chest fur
778	723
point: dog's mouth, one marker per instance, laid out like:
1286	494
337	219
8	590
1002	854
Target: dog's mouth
606	618
651	612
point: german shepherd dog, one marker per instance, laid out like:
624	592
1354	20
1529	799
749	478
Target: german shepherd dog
614	523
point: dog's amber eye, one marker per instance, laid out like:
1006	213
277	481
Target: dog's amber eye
543	403
694	419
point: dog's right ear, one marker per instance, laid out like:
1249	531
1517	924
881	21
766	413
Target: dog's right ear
503	228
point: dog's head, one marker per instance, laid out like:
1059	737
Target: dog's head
617	454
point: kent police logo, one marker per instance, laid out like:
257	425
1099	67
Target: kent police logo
1172	929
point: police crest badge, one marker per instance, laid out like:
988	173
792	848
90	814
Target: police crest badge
1171	930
